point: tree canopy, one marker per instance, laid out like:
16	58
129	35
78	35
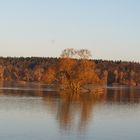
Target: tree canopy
76	70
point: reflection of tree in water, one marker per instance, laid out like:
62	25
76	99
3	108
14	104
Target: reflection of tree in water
74	110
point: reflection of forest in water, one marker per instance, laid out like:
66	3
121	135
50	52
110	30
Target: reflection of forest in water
73	109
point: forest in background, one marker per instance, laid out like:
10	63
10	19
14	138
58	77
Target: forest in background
34	69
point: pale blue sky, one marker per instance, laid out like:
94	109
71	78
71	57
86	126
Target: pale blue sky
109	28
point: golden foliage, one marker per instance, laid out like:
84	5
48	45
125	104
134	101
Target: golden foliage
67	64
77	73
49	75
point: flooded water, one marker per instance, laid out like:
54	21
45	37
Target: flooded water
35	112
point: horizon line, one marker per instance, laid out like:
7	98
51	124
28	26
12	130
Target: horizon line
95	59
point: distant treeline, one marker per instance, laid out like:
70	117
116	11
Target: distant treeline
34	69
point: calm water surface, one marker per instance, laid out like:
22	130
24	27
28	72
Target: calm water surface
34	112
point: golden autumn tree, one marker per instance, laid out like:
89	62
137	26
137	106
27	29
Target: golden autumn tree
76	70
